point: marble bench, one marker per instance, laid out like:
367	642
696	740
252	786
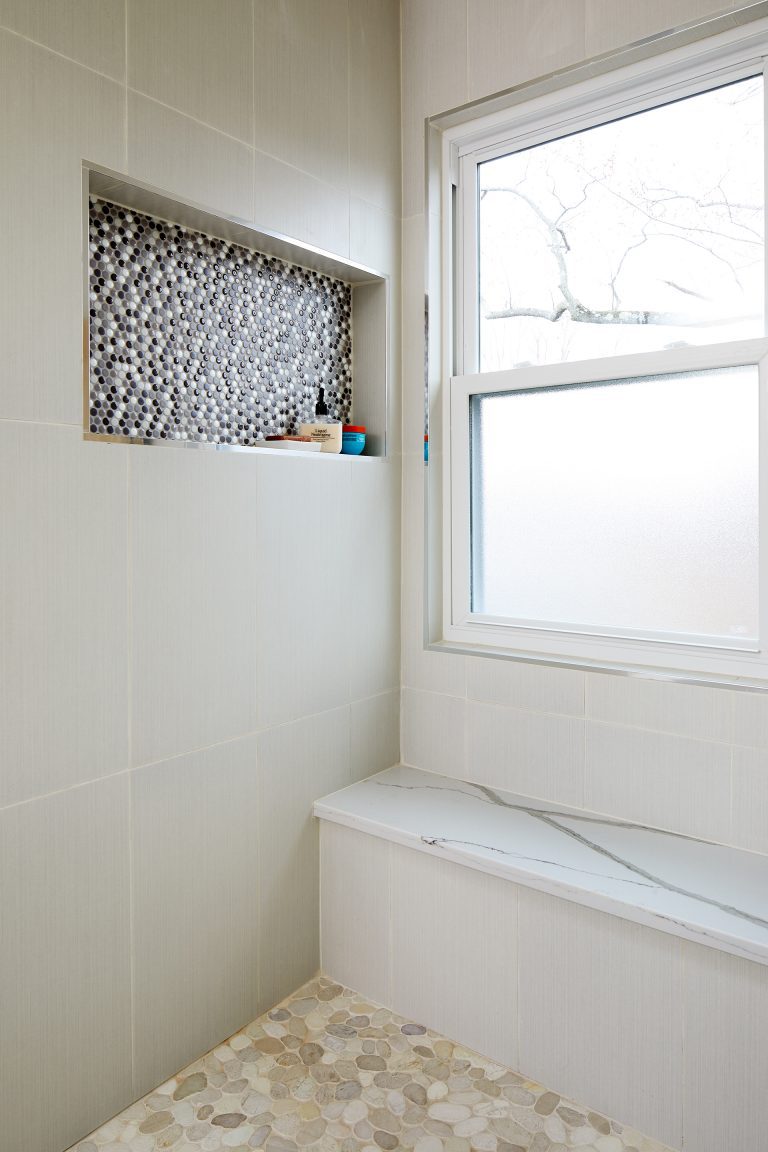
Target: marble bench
709	893
621	965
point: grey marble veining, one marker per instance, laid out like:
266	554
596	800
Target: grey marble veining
705	892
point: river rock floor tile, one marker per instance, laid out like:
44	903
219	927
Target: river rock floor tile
329	1071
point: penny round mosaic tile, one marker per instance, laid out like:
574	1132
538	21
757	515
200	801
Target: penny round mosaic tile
331	1071
192	338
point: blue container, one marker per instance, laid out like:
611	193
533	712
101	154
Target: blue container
353	439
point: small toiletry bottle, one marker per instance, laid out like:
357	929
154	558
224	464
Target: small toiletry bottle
323	430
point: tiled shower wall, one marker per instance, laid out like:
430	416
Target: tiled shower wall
688	758
195	644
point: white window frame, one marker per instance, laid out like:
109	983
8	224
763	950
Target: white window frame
733	55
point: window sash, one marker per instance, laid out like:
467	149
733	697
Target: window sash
584	647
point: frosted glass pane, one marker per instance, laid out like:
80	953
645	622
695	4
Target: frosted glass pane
640	234
628	508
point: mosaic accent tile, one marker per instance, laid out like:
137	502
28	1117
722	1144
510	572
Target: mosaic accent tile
330	1071
192	338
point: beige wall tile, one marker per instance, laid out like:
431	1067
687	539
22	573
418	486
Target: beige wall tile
725	1054
65	986
601	1012
434	62
196	57
374	102
374	237
611	25
667	781
375	734
195	905
355	912
301	85
64	655
55	114
749	799
683	709
298	763
530	752
510	43
531	686
179	155
92	32
433	728
750	719
372	615
302	587
454	952
298	205
194	561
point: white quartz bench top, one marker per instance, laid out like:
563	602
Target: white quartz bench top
705	892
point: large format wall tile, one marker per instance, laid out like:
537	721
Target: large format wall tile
681	709
92	32
726	1058
511	43
610	25
179	155
305	565
194	555
434	63
301	85
653	778
534	687
601	1012
749	799
55	114
196	57
530	752
433	728
375	734
293	203
454	951
372	616
196	895
298	763
65	984
374	102
355	910
64	654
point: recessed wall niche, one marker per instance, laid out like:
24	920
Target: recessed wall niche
204	331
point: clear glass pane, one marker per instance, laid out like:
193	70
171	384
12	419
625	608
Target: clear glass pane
640	234
628	507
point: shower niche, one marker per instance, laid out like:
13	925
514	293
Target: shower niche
201	330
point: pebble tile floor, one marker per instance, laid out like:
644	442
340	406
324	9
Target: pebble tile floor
329	1071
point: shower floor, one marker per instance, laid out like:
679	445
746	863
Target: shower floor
328	1070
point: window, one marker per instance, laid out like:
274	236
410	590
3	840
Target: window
606	415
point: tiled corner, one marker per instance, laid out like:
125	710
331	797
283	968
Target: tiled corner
355	910
330	1069
297	763
433	732
374	734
